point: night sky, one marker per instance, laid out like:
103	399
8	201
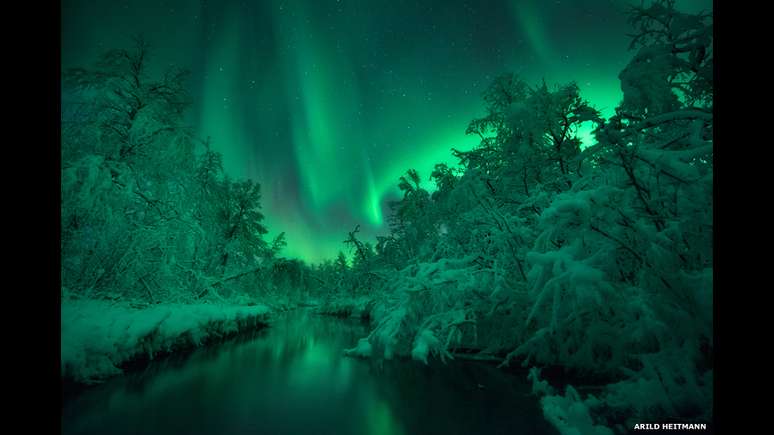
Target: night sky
327	102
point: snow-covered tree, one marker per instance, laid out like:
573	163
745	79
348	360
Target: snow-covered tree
598	260
143	215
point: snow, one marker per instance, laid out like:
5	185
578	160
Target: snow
343	306
363	349
539	387
599	262
98	337
570	415
424	343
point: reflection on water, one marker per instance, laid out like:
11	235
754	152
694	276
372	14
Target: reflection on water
293	379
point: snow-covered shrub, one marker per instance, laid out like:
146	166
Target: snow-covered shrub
668	384
347	306
571	415
597	260
427	310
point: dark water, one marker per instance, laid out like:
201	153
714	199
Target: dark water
293	379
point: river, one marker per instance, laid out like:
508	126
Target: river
292	378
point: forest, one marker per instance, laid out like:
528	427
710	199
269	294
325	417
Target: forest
588	269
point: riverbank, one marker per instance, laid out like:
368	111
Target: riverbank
293	378
100	339
344	307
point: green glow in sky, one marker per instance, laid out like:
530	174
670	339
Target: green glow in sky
326	103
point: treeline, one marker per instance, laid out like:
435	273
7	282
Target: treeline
148	214
541	252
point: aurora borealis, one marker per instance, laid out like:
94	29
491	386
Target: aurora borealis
326	103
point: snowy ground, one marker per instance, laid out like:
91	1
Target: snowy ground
99	337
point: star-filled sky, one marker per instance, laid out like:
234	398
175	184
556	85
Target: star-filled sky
327	102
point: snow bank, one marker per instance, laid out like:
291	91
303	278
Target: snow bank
345	306
99	337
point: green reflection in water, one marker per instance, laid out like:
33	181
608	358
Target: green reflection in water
293	379
380	419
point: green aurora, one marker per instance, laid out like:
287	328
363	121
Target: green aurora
326	103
